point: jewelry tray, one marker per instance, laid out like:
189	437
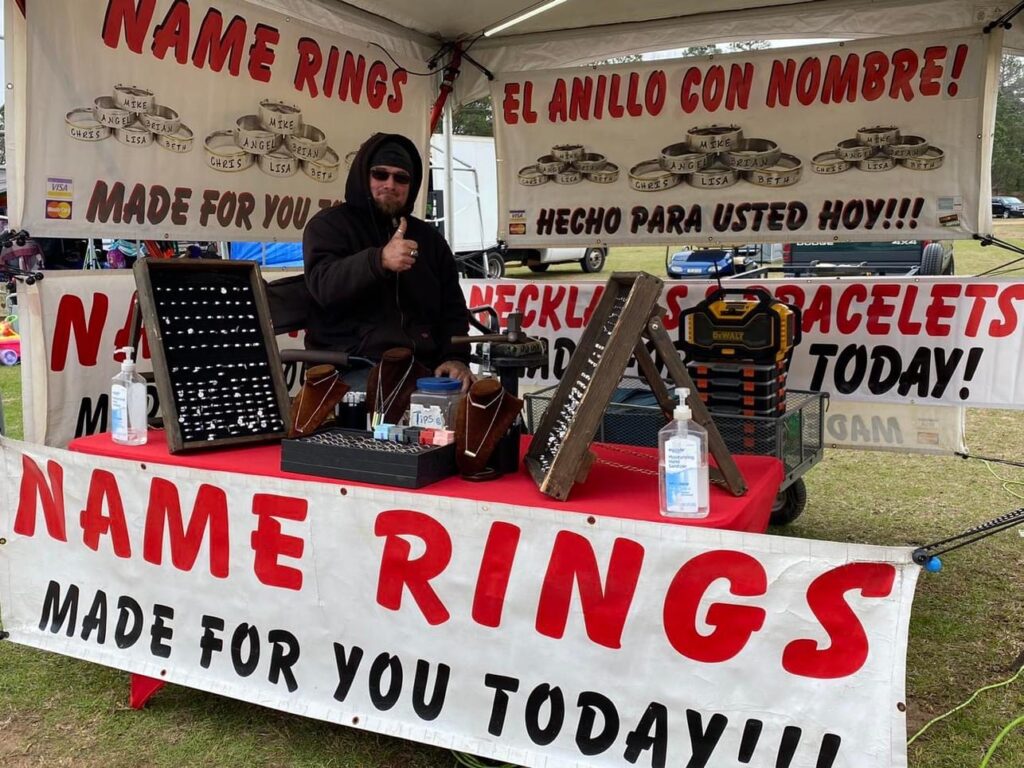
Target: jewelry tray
349	454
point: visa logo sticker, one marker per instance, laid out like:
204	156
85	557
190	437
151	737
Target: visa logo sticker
60	189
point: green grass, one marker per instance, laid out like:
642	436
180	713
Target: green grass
966	631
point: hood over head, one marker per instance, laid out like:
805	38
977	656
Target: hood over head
357	187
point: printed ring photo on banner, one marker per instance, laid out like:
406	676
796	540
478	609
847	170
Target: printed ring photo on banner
568	153
180	141
133	98
607	174
784	174
568	176
714	178
590	161
161	119
928	161
134	135
829	162
852	150
251	136
223	154
307	143
280	116
109	114
532	176
680	158
749	154
649	176
878	135
324	170
550	164
877	163
81	124
714	137
279	163
907	146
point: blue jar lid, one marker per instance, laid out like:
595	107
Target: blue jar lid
438	384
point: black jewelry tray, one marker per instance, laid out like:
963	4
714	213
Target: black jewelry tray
348	454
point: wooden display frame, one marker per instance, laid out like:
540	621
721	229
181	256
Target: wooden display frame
627	315
200	344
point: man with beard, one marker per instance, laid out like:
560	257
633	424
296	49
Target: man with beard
380	277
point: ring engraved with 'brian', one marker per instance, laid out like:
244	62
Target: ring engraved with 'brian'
160	119
223	154
907	146
749	154
307	143
81	124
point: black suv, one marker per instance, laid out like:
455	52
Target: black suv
1005	207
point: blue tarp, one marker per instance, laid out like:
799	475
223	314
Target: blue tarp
277	254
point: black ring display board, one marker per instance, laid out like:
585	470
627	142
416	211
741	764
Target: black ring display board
215	359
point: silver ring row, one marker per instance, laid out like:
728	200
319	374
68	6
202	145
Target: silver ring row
833	162
651	175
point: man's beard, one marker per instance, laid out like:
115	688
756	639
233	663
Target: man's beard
389	206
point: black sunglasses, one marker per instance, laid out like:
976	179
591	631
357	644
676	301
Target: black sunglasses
400	177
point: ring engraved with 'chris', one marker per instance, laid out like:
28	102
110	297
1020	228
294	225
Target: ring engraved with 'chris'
714	138
81	125
607	174
280	116
680	158
749	154
829	163
929	161
325	169
714	178
852	150
532	176
223	154
251	136
307	143
161	119
180	141
878	135
784	173
133	98
567	153
649	176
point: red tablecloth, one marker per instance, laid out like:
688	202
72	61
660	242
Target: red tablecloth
622	483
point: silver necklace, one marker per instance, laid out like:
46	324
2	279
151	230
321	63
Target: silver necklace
298	406
381	405
494	418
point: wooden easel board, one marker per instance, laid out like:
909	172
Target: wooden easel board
559	454
215	359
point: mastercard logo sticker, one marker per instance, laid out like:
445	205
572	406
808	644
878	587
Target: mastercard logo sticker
58	209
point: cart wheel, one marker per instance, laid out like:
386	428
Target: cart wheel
789	504
9	357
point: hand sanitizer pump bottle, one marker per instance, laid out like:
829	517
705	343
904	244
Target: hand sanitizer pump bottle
128	404
683	464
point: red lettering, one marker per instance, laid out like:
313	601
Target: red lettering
558	109
848	647
173	33
847	319
980	294
604	608
352	71
1010	319
819	312
214	48
734	624
510	103
904	67
713	90
34	488
780	83
931	72
105	495
130	17
527	294
529	115
581	95
876	67
398	571
376	86
940	309
209	513
688	100
310	60
269	543
654	94
549	303
674	302
396	100
571	319
808	81
503	295
741	80
840	79
88	336
594	301
632	95
261	54
614	107
495	569
881	308
905	325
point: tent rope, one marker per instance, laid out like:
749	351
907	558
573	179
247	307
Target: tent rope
922	555
1004	20
990	240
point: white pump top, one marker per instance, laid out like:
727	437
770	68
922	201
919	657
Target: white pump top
682	411
127	365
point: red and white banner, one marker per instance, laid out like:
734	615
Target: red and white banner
522	634
860	140
927	342
175	120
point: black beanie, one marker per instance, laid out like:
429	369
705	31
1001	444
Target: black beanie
394	154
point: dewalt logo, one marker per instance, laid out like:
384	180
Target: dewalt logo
727	335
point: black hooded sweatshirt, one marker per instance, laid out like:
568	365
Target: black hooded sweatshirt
364	309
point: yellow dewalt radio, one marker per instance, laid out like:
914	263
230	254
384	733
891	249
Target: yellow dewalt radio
760	329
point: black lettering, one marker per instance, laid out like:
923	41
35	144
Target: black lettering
128	611
823	352
283	656
68	610
429	710
945	368
160	631
91	422
502	686
553	698
385	700
208	643
591	704
917	373
347	665
703	742
96	619
650	733
880	380
848	382
245	634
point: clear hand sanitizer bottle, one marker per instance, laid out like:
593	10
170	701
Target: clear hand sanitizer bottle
683	464
128	404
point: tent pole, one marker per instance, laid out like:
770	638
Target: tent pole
447	86
449	176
